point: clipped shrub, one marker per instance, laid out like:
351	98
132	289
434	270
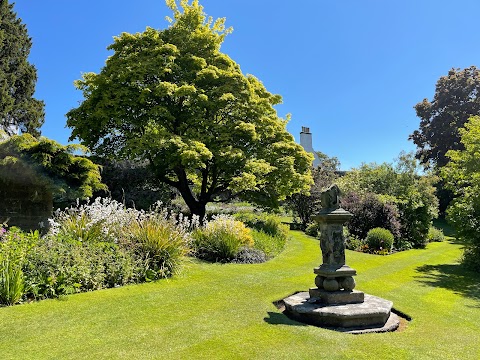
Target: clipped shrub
268	244
435	235
221	239
379	240
370	212
312	229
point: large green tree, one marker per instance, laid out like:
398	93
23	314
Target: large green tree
462	176
172	98
18	108
456	99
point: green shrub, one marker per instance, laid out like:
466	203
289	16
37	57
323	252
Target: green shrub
435	235
57	268
379	240
14	247
221	239
352	242
471	258
312	229
11	281
160	244
267	223
268	244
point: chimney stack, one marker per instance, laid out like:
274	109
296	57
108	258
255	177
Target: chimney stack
306	142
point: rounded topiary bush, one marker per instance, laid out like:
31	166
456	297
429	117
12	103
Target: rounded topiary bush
379	240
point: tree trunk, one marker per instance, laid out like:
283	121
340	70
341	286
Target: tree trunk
195	206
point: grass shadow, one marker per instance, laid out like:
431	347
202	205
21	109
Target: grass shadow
452	277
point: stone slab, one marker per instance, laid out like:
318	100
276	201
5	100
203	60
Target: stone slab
373	312
335	297
332	271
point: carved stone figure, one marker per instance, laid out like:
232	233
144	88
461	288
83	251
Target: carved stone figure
330	197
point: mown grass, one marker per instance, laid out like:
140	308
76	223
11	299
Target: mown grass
215	311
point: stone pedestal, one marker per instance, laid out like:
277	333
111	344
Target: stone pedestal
334	280
334	303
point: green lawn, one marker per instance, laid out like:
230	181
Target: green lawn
226	312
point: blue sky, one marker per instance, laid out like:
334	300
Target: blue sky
349	70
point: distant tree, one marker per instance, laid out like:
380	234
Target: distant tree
133	184
400	184
462	176
45	162
18	108
305	205
456	99
171	98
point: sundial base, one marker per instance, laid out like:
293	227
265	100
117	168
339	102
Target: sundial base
373	313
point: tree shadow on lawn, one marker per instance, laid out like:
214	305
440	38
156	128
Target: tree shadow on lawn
452	277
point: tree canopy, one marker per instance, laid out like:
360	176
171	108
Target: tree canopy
18	108
172	98
27	160
456	99
400	184
462	176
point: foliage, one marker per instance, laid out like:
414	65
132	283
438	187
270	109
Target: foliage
92	246
160	245
14	246
133	184
267	223
370	212
455	100
305	205
18	108
462	176
28	160
221	239
312	229
248	255
435	235
352	242
402	185
379	240
269	245
172	99
58	268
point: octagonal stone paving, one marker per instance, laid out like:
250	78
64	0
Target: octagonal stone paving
372	313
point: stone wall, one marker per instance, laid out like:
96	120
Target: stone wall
25	205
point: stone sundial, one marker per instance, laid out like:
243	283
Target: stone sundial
334	303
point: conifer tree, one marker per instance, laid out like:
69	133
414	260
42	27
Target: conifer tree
18	108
